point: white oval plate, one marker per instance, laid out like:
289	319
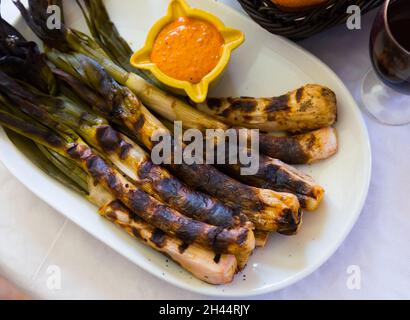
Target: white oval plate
265	65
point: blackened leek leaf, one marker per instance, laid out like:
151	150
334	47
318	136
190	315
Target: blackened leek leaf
56	166
22	59
36	17
67	167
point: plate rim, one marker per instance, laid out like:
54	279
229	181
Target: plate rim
5	141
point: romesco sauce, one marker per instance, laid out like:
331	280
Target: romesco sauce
187	49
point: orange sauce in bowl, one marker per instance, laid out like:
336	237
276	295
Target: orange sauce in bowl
187	49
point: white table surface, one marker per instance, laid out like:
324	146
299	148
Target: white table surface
34	237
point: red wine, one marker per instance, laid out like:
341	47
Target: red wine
390	46
399	22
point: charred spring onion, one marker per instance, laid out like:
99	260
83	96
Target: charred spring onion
307	108
302	148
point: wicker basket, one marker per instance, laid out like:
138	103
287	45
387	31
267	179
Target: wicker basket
302	24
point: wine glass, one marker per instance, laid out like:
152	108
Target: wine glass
386	88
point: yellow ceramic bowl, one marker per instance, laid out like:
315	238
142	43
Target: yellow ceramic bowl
196	91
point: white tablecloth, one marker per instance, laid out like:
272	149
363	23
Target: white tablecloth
34	237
